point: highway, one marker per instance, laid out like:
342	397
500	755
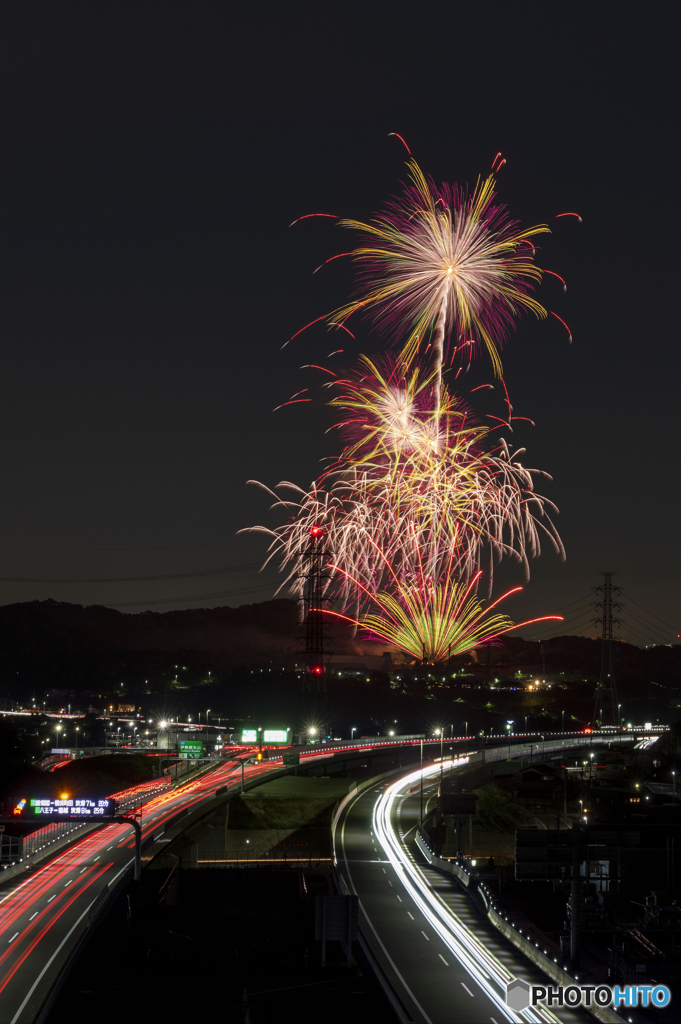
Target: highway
445	962
43	917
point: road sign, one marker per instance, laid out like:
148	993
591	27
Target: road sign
291	758
76	807
336	917
460	805
275	736
249	735
191	749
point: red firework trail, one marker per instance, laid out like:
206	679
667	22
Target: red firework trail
553	274
401	140
330	259
306	215
563	323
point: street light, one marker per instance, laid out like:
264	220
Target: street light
352	733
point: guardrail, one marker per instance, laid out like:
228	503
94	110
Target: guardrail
485	902
475	887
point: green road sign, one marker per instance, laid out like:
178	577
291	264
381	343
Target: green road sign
191	749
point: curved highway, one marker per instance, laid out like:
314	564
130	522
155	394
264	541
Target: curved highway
444	961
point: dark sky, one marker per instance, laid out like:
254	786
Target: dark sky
153	156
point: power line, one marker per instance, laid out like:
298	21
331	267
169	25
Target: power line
652	629
136	579
196	597
674	629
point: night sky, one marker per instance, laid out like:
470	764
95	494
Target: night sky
153	157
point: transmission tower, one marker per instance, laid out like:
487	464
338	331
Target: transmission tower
314	676
606	709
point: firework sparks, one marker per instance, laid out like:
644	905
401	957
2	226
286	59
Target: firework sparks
442	262
432	620
412	488
422	495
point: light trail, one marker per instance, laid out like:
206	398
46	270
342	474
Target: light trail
483	966
35	915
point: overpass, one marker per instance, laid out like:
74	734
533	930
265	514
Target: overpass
45	915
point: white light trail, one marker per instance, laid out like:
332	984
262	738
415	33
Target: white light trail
488	972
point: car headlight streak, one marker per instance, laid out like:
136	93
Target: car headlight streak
468	950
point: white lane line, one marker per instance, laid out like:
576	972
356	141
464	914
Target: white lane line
68	883
390	883
428	940
385	872
443	960
399	898
109	848
33	915
83	869
463	985
52	898
411	915
493	1020
97	858
13	938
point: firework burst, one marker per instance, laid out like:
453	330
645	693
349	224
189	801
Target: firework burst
434	620
442	263
415	487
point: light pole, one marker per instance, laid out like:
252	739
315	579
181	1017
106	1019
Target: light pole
421	804
562	721
619	715
440	733
508	726
352	733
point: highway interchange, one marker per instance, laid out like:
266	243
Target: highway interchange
444	961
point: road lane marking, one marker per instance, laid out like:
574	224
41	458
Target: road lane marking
428	940
493	1020
97	858
390	883
411	915
83	869
385	872
463	985
33	915
68	883
399	898
52	898
443	960
13	938
109	848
